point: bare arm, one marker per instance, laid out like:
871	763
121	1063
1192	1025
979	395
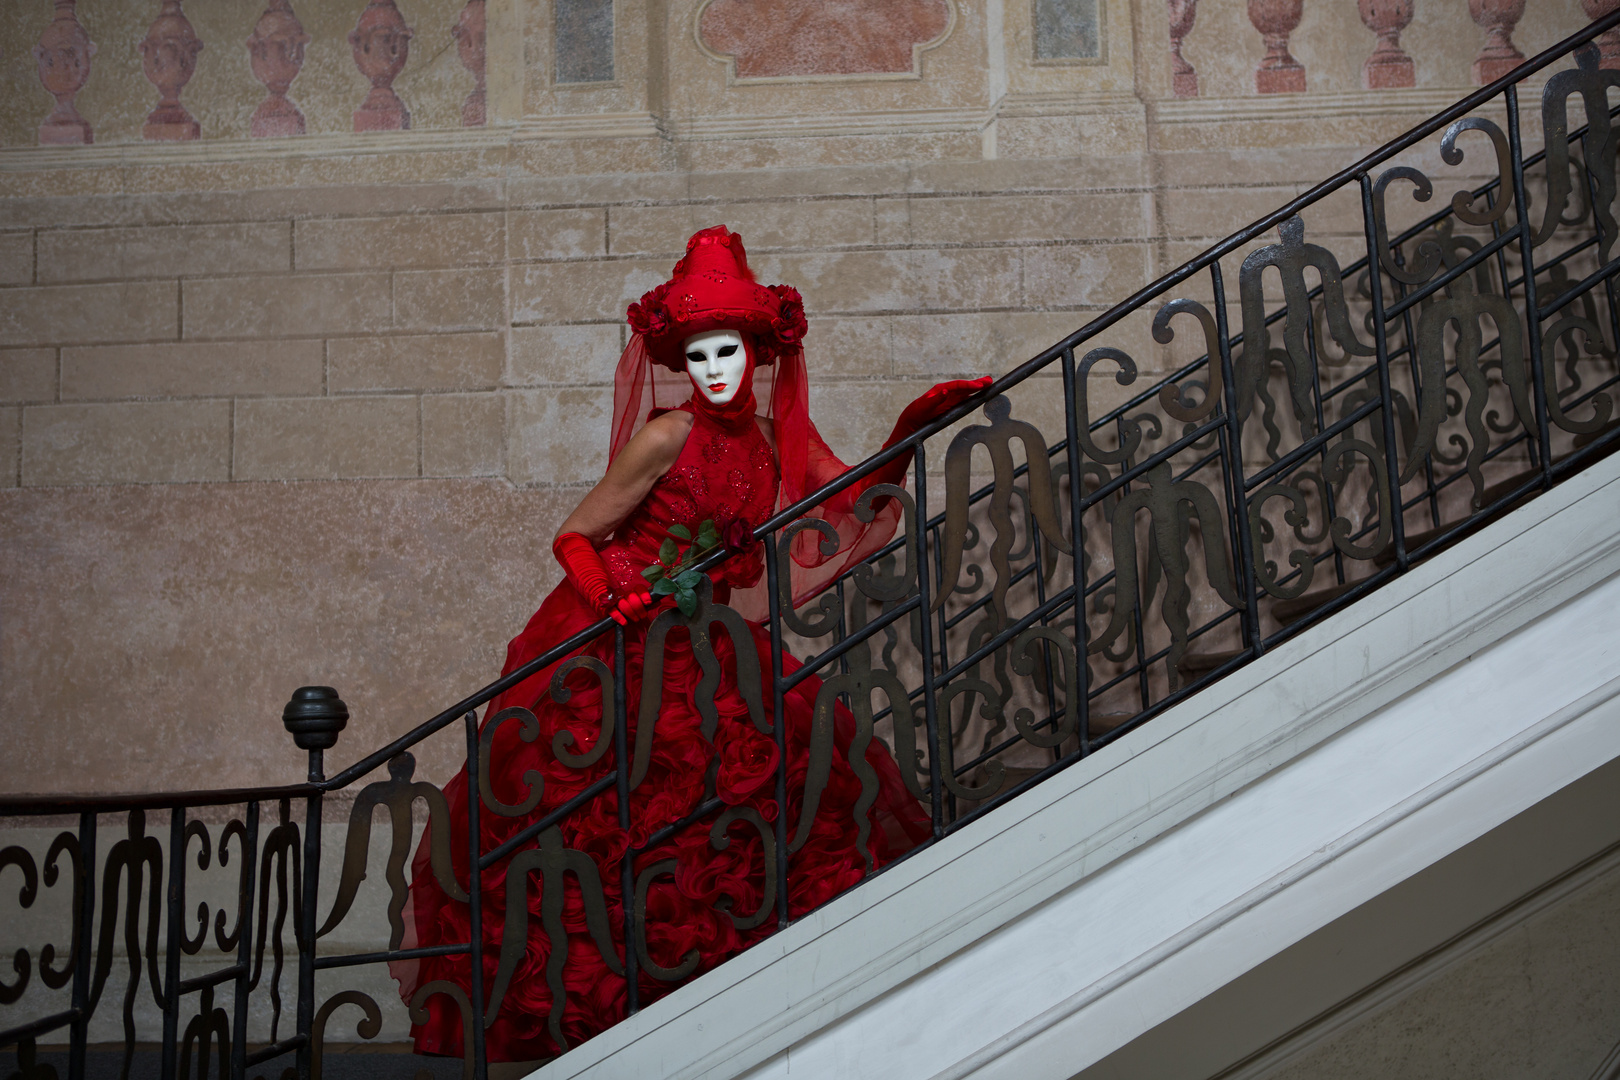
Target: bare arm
645	458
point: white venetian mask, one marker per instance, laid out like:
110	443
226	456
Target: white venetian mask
717	363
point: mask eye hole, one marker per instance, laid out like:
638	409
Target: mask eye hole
726	350
695	358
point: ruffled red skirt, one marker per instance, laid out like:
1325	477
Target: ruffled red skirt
694	903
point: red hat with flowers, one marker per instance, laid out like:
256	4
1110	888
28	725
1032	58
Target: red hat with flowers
712	288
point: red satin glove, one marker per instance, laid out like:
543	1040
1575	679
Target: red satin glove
934	403
633	607
931	405
586	570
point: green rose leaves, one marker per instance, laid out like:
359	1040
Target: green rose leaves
672	574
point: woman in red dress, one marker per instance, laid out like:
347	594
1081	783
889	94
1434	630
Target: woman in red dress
729	454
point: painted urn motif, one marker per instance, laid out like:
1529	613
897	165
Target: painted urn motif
62	58
381	43
1279	72
1498	55
276	52
1183	79
169	58
1608	42
469	35
1388	66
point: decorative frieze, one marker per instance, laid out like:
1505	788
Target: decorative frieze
1498	55
382	43
169	58
1388	67
469	35
781	39
1279	72
63	61
276	50
1183	79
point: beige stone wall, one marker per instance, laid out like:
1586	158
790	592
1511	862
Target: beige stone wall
278	411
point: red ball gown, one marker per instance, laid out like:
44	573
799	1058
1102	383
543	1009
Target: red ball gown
723	475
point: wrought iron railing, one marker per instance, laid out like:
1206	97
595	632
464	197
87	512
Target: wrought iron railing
1253	492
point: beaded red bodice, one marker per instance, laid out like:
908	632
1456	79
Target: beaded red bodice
718	476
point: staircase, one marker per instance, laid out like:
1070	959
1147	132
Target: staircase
1221	630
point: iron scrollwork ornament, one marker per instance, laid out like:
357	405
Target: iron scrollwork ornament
1169	536
859	684
996	437
1170	396
720	840
1565	330
135	867
1463	307
822	617
1462	203
209	1030
19	857
552	861
1291	257
282	852
368	1027
698	627
397	793
1592	84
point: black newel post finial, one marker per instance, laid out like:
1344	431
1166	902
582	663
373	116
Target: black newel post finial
314	716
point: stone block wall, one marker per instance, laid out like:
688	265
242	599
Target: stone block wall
308	409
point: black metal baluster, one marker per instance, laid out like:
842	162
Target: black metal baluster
1139	601
931	715
315	715
1328	499
169	993
306	919
475	901
84	930
1037	553
1237	480
627	871
843	626
1417	375
1532	307
1396	508
244	944
778	726
627	875
948	799
1497	229
1077	487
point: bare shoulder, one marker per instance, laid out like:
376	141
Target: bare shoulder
668	429
659	443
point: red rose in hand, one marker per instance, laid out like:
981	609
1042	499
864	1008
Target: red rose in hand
739	536
743	569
